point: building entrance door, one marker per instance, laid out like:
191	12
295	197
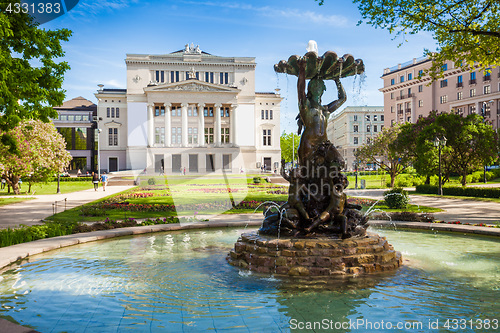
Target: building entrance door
113	164
267	163
176	163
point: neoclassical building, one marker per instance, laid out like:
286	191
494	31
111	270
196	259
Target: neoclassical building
189	109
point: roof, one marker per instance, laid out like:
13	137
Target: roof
78	103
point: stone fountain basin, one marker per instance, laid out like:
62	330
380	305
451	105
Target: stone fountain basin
327	67
318	257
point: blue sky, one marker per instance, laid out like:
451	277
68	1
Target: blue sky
105	31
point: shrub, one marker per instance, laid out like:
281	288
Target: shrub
257	180
397	198
92	211
151	181
73	179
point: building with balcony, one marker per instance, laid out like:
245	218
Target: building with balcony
352	127
189	110
407	98
75	123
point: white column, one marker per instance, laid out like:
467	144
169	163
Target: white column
184	122
217	124
201	125
233	121
168	124
151	125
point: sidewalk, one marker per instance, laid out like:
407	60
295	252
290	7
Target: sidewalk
465	211
31	212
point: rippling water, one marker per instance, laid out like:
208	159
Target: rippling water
180	282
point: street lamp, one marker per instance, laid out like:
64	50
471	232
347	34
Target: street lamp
440	143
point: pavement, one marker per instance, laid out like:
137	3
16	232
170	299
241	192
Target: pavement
32	212
465	211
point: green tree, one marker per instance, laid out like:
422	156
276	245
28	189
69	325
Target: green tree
467	32
41	153
472	142
30	79
386	151
287	143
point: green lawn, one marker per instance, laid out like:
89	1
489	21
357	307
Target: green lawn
457	197
8	201
51	188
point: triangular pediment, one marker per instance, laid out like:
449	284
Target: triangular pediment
191	85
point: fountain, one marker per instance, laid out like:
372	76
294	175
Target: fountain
316	233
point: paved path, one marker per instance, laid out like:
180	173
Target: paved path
31	212
466	211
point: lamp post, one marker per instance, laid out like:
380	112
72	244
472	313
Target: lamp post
440	143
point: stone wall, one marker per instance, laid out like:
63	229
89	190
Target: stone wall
314	257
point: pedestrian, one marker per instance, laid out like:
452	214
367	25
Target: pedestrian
184	171
79	173
104	180
3	183
95	180
19	182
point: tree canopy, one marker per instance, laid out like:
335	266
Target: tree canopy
287	142
30	78
41	153
467	32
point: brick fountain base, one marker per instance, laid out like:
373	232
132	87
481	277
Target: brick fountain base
318	257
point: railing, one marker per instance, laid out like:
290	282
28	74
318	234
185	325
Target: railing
472	81
54	205
487	78
405	96
408	110
460	84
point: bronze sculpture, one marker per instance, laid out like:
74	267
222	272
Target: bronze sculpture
317	204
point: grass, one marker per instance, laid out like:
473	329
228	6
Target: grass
51	188
457	197
8	201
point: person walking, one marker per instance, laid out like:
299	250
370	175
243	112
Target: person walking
95	180
104	180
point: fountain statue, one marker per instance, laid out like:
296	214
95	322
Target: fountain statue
317	217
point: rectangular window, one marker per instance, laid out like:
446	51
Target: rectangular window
355	117
210	111
211	77
174	135
108	112
266	137
162	76
209	135
410	76
157	76
356	129
224	135
443	99
267	114
375	117
226	78
355	140
160	135
375	129
262	114
392	109
190	111
113	136
177	76
402	78
157	111
472	78
392	95
207	77
172	76
381	117
420	103
444	67
271	114
221	78
487	89
443	83
472	92
421	88
421	73
459	95
367	117
117	112
409	92
368	127
190	135
179	134
460	79
392	82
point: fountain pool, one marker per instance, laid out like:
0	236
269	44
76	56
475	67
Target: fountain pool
180	282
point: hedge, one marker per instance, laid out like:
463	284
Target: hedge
73	179
477	192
